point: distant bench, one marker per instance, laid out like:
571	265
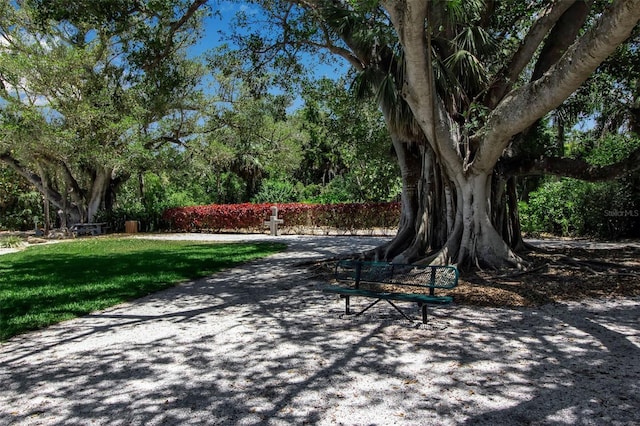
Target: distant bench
389	281
88	228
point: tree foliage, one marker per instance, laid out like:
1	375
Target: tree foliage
89	90
330	147
19	204
349	147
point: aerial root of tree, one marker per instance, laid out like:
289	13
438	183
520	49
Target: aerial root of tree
470	239
385	251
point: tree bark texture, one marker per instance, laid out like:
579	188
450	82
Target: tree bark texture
460	194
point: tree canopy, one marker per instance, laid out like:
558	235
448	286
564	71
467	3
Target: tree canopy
88	88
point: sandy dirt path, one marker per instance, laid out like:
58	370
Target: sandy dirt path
260	344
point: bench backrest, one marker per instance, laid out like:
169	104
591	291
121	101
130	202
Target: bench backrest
398	274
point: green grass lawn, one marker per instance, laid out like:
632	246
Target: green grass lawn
46	284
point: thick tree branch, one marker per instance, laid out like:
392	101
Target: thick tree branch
163	140
343	53
76	191
522	107
571	167
562	36
191	10
35	180
409	19
508	75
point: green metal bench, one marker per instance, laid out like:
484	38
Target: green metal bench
391	281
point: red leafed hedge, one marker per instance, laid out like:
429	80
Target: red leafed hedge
297	217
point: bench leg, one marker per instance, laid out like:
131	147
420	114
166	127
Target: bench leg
399	310
388	301
367	308
423	307
347	309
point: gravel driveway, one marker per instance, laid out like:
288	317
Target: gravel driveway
261	345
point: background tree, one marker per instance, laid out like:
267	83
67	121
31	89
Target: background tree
89	88
249	131
349	152
284	152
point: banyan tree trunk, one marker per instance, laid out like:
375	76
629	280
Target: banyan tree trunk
468	220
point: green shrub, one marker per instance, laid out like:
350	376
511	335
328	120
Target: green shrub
116	217
276	191
11	241
19	203
250	217
570	207
554	207
339	190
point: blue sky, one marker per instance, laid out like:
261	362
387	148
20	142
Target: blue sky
218	21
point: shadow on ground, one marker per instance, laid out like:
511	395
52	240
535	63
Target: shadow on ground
260	344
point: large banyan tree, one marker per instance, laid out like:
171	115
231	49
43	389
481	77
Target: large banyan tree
463	86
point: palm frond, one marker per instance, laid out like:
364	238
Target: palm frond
387	93
468	70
